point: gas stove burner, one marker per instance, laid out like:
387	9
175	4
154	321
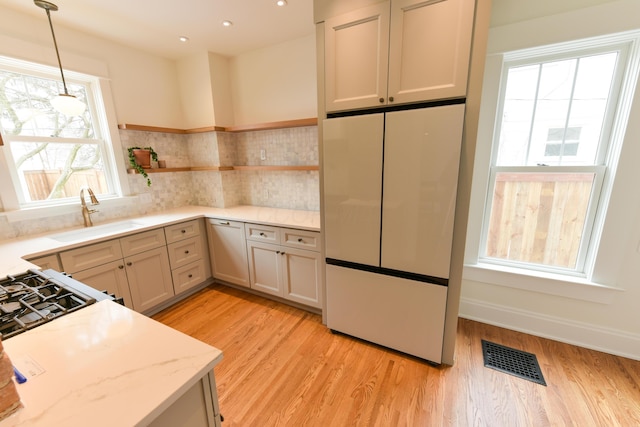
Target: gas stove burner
36	297
14	288
34	316
10	307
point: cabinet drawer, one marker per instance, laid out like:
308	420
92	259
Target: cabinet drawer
142	242
184	252
301	239
184	230
262	233
188	276
90	256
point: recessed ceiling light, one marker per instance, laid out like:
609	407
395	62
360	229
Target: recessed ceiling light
227	23
184	39
281	2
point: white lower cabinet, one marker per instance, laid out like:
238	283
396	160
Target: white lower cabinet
110	277
149	278
197	407
228	250
134	267
282	269
188	255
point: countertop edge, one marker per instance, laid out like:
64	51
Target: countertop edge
15	252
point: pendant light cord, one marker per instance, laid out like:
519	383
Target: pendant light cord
55	44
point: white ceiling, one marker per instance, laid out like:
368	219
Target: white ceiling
156	25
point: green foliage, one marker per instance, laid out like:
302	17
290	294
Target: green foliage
137	167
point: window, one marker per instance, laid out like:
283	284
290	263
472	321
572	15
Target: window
51	156
551	153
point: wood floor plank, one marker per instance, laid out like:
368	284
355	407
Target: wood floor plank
282	367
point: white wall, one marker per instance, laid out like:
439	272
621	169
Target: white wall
144	86
275	83
591	316
195	90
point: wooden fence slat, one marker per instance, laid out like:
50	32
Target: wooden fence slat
538	218
40	183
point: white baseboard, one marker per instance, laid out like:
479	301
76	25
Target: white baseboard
613	341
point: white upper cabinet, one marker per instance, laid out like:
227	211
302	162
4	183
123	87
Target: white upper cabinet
356	66
397	52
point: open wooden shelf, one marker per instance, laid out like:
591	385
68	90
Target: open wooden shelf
242	128
185	169
211	168
230	168
277	168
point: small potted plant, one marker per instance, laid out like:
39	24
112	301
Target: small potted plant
140	159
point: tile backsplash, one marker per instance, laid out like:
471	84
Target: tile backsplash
278	189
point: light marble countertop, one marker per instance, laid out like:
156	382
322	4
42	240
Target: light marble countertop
15	252
104	365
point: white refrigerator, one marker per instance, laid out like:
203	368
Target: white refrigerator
390	181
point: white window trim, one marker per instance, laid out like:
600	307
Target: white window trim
599	284
105	106
590	217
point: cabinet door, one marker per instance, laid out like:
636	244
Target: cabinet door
264	267
302	274
352	164
356	58
228	251
422	155
429	49
150	279
110	277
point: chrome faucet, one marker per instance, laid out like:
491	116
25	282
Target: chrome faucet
86	212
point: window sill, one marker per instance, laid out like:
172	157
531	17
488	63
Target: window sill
66	209
546	283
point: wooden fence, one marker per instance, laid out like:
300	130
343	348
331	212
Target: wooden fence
539	218
40	183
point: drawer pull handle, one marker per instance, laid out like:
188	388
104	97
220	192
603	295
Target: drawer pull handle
121	266
278	252
186	252
262	234
190	276
183	231
283	253
129	263
224	223
300	240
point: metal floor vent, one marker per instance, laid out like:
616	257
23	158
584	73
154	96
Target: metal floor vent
511	361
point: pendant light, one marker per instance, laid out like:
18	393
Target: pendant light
65	103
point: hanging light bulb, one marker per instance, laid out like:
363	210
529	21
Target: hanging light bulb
65	103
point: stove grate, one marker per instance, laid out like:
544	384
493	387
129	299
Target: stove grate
511	361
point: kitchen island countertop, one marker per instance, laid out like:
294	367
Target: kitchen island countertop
15	252
104	365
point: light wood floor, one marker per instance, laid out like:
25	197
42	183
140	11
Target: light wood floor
282	367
